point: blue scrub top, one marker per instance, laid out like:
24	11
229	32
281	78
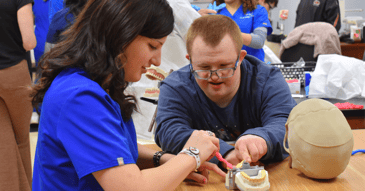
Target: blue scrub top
248	22
40	10
81	131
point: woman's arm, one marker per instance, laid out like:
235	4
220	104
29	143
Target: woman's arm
247	38
256	39
165	177
145	157
26	26
130	177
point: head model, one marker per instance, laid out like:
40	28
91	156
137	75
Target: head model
214	43
319	138
114	41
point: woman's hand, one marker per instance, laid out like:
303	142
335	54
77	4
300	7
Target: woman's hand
203	175
206	142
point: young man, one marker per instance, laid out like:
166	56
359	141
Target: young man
226	91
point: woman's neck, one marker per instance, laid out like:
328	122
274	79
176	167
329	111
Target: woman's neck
233	6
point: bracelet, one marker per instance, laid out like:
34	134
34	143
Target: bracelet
156	158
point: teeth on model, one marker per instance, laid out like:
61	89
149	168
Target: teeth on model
155	73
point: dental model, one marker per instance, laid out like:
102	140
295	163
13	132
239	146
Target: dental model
155	73
151	92
247	178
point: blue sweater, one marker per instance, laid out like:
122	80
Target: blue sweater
260	107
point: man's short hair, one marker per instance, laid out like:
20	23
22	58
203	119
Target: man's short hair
212	28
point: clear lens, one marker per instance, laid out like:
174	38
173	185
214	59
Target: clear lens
222	73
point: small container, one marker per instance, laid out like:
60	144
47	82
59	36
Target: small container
307	77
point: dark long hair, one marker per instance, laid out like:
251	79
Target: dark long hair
247	4
96	43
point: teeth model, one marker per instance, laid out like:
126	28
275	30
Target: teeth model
151	92
247	178
155	73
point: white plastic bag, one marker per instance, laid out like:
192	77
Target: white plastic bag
337	76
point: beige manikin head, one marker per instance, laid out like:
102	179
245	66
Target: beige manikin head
319	138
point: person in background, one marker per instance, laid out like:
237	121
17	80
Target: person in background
172	57
226	91
253	21
62	20
86	136
54	7
319	10
40	10
16	39
268	4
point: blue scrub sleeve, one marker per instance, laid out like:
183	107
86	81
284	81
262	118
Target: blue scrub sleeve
274	115
261	19
93	133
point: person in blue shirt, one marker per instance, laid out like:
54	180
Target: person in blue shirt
226	91
62	20
253	21
53	7
40	10
86	136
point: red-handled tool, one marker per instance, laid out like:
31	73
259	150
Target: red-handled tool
220	158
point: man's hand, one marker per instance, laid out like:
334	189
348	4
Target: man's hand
231	157
250	148
203	176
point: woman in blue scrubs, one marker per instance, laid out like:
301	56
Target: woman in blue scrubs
253	21
86	136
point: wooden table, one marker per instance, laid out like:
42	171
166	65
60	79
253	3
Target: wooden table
355	50
282	177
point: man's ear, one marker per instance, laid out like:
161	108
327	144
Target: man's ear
187	56
243	53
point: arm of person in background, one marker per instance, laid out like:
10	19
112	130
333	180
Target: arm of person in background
256	39
26	26
261	28
331	12
184	15
266	143
165	177
203	12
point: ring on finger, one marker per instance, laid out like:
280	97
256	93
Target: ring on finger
210	133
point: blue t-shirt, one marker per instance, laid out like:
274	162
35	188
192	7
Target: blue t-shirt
81	131
248	22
